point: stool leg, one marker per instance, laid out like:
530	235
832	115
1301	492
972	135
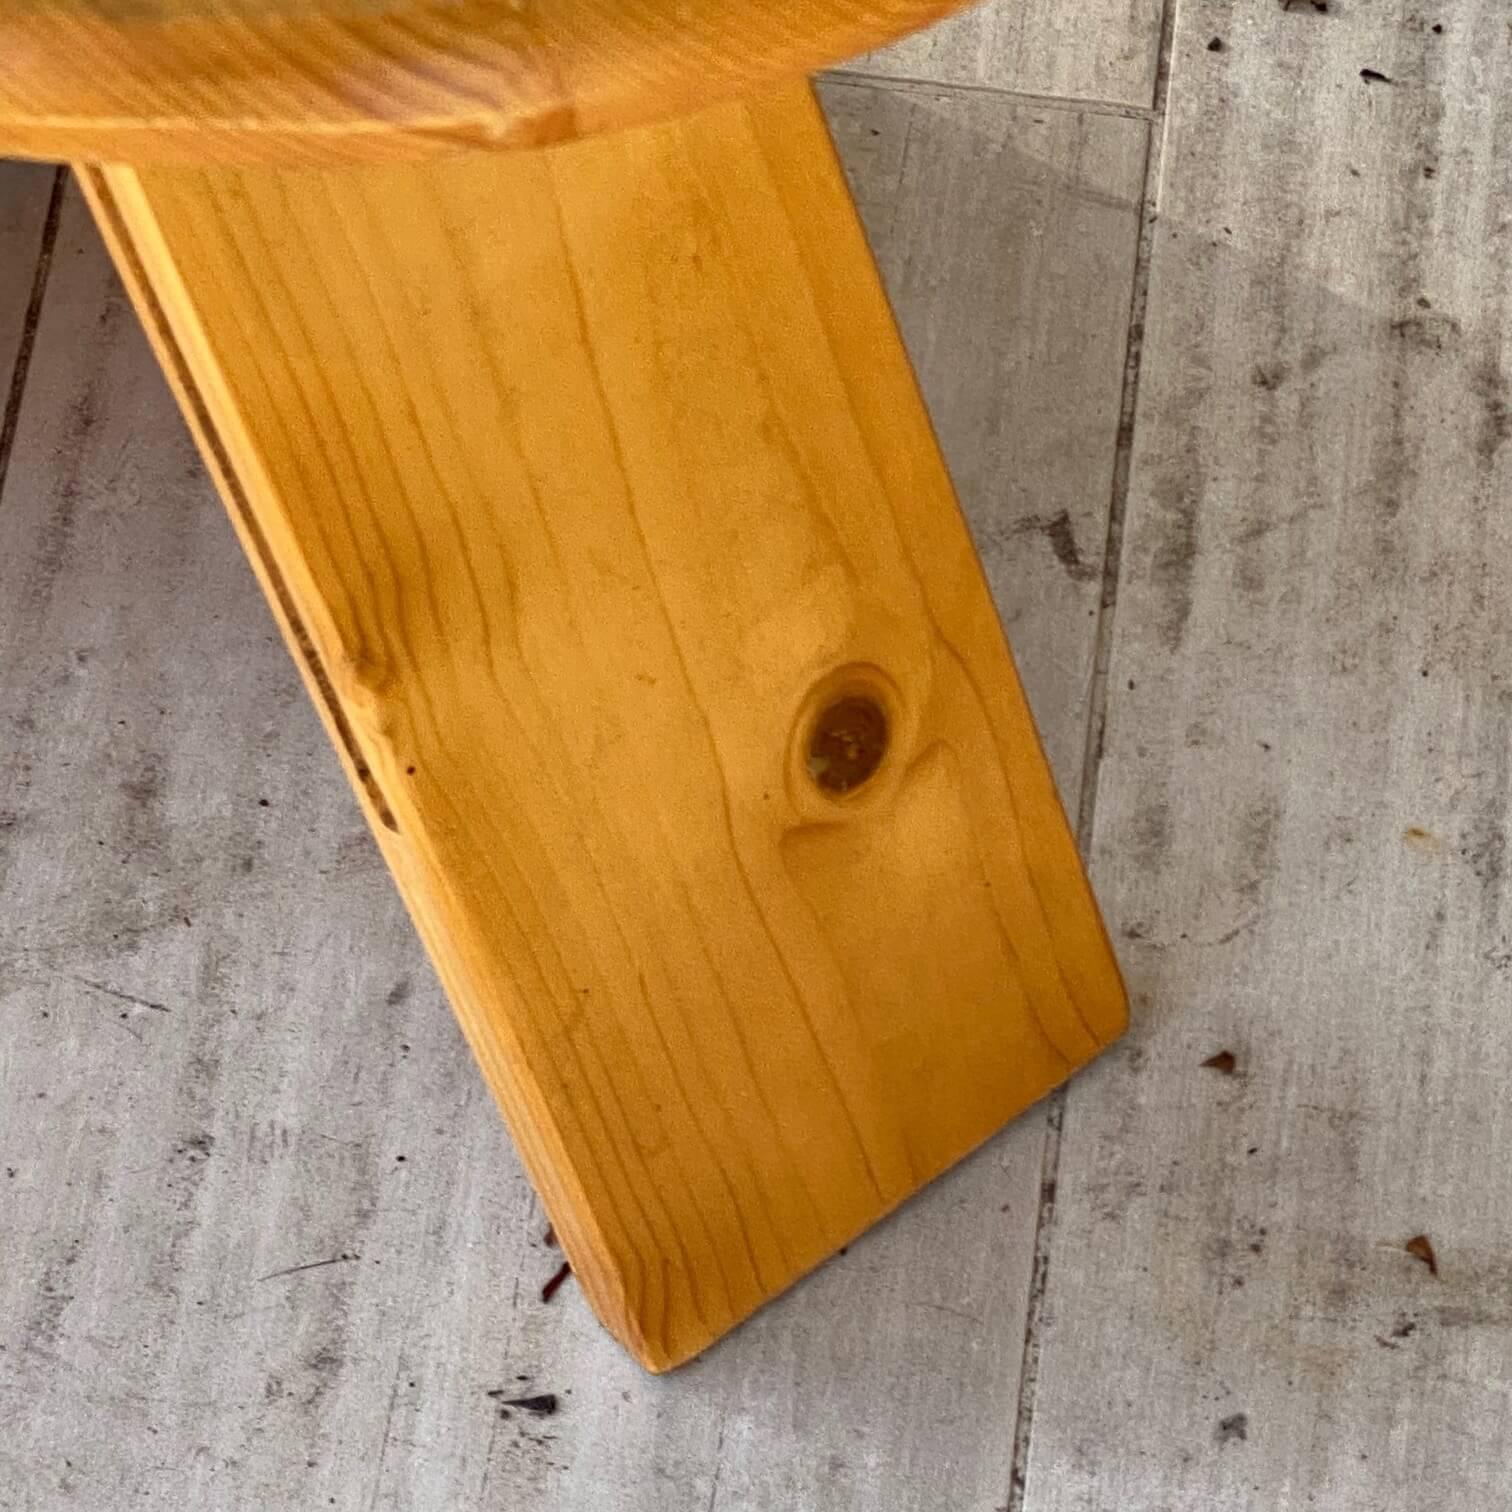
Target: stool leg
595	497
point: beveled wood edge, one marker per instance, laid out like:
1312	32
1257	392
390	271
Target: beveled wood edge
338	83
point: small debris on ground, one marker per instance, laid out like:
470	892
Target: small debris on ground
344	1258
1420	1247
1223	1062
1374	76
553	1286
1233	1429
1216	45
549	1238
1405	1328
543	1404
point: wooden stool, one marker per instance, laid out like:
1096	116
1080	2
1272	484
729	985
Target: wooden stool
595	498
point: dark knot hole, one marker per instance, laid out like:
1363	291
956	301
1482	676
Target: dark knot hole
848	743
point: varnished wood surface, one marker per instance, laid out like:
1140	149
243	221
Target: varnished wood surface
1014	306
309	1043
1371	1121
576	546
335	80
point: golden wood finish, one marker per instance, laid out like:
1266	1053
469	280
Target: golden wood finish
584	482
329	80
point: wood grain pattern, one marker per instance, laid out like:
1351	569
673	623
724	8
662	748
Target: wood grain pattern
1303	814
1024	373
308	1044
1102	50
472	423
331	80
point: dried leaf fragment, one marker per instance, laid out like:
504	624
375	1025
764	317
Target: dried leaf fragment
1420	1247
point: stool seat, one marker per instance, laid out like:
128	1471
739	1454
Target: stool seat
327	81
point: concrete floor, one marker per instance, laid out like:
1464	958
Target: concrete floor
1210	308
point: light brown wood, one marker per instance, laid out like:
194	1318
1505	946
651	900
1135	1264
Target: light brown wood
307	1038
327	80
580	482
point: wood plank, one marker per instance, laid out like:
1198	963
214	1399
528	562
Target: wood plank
1006	237
1302	820
25	193
619	559
340	1054
1103	50
330	81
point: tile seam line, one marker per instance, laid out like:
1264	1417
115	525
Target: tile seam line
10	418
907	84
1097	714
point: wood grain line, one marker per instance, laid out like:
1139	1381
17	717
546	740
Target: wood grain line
97	190
590	479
